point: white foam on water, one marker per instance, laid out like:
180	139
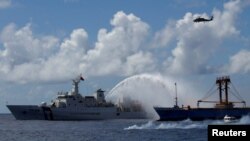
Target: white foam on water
185	124
148	125
245	120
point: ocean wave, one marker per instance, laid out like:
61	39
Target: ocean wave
245	120
185	124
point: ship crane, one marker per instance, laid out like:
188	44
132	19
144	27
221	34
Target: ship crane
223	87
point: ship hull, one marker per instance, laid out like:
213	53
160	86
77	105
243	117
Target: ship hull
34	112
26	112
175	114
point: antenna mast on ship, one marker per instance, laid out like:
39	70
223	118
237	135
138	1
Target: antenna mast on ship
176	99
76	81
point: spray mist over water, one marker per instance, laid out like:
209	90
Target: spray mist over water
154	90
185	124
148	90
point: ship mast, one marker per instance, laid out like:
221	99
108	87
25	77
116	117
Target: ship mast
75	89
76	81
223	87
223	83
176	99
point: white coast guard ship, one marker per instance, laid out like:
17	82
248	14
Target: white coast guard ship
73	106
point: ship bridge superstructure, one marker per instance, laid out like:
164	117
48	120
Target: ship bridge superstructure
75	99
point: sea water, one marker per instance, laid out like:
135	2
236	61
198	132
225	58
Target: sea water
105	130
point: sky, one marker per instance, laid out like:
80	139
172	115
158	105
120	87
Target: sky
136	48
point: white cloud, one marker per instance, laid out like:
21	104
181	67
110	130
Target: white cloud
196	42
28	58
121	51
22	49
5	4
164	37
65	63
114	49
239	63
136	63
21	46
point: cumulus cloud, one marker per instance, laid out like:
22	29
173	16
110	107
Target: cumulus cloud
29	58
113	50
120	51
196	42
5	4
25	57
239	63
21	49
21	46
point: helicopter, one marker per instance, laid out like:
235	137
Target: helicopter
200	19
